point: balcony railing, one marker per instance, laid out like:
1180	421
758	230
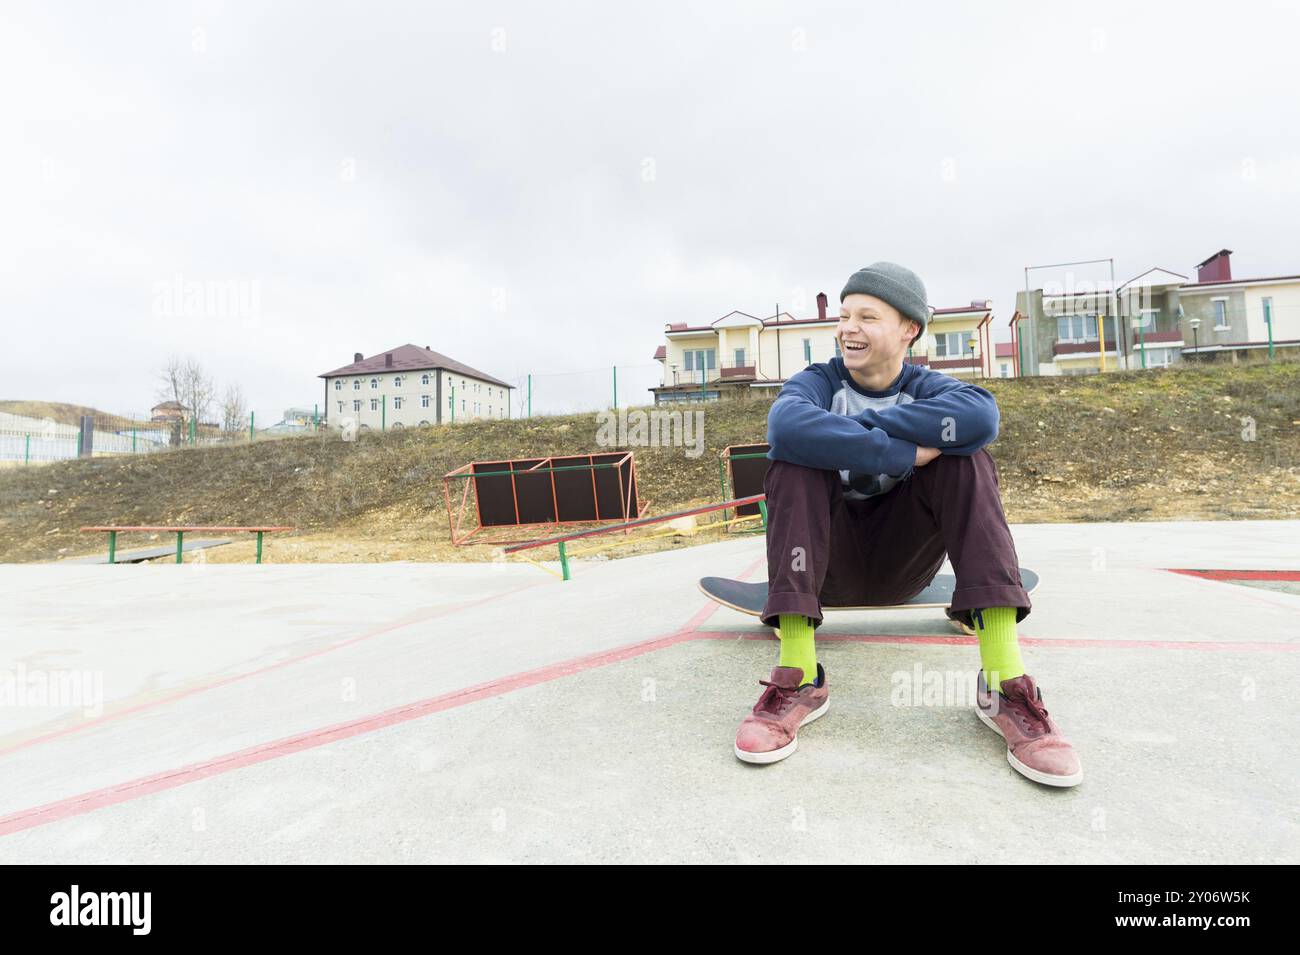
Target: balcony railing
1083	348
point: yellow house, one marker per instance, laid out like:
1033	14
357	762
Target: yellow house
740	353
959	341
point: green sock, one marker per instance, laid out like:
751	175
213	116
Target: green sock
999	650
797	645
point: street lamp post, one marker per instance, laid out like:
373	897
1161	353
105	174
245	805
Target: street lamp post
1195	323
972	343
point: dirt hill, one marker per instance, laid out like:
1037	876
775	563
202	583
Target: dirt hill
1220	441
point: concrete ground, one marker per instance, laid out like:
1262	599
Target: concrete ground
468	713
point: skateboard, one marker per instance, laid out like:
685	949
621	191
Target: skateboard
749	597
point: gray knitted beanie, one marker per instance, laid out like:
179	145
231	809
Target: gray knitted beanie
900	287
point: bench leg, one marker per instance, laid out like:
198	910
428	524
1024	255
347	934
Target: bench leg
112	547
180	535
259	547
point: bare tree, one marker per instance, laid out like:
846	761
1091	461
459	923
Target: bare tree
199	391
234	410
184	381
170	376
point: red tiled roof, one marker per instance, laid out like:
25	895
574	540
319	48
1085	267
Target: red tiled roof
1004	349
661	353
411	358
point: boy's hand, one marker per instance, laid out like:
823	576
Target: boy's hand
925	455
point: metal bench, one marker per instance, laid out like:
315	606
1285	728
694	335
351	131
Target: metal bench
180	533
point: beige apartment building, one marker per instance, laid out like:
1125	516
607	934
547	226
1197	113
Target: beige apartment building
410	387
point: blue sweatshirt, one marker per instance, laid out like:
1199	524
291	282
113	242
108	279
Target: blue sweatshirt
823	419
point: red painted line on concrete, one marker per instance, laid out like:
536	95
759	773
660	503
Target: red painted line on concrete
407	621
170	779
1238	574
1073	643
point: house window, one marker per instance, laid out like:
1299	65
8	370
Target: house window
374	404
1076	328
356	384
740	357
397	404
424	401
356	405
952	345
424	379
1220	314
340	407
1148	319
374	382
397	381
1005	370
838	353
700	359
807	350
462	408
338	384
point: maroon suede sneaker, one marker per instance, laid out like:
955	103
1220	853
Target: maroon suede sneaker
1035	747
770	732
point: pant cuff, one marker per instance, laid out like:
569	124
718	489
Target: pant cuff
966	599
805	604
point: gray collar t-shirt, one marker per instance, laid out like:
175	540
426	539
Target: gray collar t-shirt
851	400
823	419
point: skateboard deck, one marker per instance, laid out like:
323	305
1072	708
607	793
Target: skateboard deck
749	597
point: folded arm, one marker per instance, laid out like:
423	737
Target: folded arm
802	430
954	416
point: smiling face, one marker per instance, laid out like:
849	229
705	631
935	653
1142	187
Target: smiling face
873	336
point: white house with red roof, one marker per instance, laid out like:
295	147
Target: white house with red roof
410	386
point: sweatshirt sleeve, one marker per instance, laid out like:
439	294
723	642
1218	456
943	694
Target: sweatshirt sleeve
803	430
947	413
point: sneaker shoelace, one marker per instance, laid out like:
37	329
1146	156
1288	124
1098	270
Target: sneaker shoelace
777	699
1034	705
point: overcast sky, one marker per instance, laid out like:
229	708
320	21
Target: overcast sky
540	187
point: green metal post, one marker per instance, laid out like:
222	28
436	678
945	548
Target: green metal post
762	509
564	561
315	417
78	444
722	481
27	449
133	440
252	416
259	547
180	535
112	547
1142	343
1268	323
194	430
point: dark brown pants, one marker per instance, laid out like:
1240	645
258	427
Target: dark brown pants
825	550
